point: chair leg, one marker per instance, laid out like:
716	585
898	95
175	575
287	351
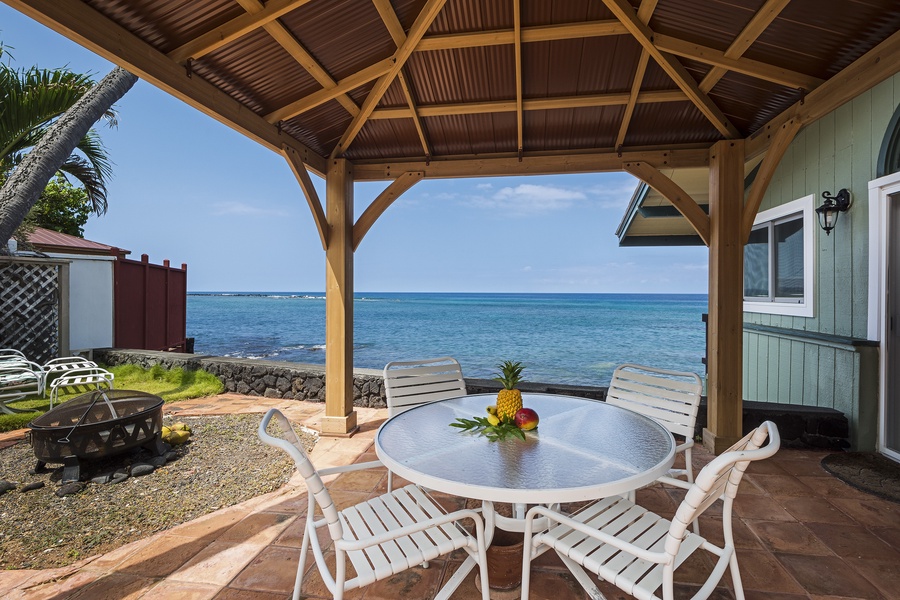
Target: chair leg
390	482
736	577
301	567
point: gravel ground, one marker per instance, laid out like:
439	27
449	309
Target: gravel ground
224	463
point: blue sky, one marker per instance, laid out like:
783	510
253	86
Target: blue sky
191	190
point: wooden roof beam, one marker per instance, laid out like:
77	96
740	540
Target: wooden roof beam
392	23
381	204
234	29
746	66
420	26
312	197
645	11
517	28
625	13
760	21
87	27
546	163
505	37
500	106
782	140
324	95
870	69
674	193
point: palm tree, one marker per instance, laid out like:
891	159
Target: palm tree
32	99
51	113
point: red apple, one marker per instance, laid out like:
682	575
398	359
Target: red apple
526	419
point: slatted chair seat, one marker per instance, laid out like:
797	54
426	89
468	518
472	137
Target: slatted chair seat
65	364
382	536
640	552
91	376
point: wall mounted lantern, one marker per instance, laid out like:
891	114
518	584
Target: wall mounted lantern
832	207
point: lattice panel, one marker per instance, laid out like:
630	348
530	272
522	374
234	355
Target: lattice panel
29	305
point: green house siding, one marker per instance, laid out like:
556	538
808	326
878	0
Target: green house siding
838	151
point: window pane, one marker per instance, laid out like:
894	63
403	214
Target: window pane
756	264
789	259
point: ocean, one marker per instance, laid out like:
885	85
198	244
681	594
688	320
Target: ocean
575	339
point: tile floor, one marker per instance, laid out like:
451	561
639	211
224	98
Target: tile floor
800	534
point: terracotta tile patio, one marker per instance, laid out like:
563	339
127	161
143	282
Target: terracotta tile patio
800	533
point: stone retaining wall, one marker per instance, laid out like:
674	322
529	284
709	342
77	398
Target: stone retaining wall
800	426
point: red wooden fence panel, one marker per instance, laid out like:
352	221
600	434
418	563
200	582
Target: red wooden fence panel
150	305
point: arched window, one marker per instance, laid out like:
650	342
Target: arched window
889	155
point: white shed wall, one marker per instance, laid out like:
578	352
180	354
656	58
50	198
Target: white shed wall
91	315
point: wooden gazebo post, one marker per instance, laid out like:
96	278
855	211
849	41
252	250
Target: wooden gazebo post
340	418
726	279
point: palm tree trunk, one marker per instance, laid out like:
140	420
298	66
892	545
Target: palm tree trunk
28	180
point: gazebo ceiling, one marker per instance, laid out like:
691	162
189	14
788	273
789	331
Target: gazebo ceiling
378	81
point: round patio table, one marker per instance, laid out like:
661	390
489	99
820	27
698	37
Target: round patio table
582	450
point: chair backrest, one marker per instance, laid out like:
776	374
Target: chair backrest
68	363
20	377
290	443
11	354
720	479
670	397
414	382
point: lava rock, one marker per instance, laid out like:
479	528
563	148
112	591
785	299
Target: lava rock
119	478
138	469
171	455
102	478
6	486
157	461
34	485
69	489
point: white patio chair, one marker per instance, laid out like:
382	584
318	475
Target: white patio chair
65	364
11	355
414	382
87	377
19	378
670	397
382	536
639	551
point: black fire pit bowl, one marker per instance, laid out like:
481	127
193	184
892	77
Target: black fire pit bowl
97	424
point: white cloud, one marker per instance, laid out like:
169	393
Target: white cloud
528	199
484	186
614	196
233	207
693	266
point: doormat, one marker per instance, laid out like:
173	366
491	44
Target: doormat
866	471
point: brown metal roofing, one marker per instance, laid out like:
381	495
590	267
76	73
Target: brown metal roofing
47	240
578	67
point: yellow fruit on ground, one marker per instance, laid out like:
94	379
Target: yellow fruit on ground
179	437
181	427
165	432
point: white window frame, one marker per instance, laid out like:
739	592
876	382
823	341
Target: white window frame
805	308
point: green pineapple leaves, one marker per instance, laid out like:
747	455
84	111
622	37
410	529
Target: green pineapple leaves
510	374
494	433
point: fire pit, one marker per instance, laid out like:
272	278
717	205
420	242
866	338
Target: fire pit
95	425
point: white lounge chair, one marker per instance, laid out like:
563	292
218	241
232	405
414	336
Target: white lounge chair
76	378
639	551
410	383
60	366
11	355
19	378
382	536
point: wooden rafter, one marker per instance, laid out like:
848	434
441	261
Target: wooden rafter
84	25
292	46
517	28
324	95
234	29
625	13
312	197
381	204
500	106
868	70
645	11
674	193
392	23
504	37
782	140
760	21
420	26
746	66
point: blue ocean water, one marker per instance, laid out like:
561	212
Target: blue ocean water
561	338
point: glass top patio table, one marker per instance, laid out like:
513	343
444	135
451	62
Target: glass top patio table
582	450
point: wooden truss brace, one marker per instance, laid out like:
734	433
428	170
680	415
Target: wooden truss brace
540	33
312	197
625	13
780	143
420	26
760	21
389	17
645	11
517	28
674	193
381	204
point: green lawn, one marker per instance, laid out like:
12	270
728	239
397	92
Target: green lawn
170	385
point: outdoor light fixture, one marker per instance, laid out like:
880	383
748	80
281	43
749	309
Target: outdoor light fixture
832	207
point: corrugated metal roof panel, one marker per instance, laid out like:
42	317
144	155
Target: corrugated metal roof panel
649	120
54	241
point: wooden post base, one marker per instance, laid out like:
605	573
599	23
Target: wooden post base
339	426
717	444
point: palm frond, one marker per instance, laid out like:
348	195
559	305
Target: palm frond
88	176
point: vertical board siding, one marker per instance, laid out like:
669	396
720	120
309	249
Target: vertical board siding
840	150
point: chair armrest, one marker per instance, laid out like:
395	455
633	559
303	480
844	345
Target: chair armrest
348	468
655	557
689	443
679	483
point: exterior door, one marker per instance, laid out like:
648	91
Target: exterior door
891	410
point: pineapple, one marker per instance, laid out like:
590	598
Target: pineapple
509	400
